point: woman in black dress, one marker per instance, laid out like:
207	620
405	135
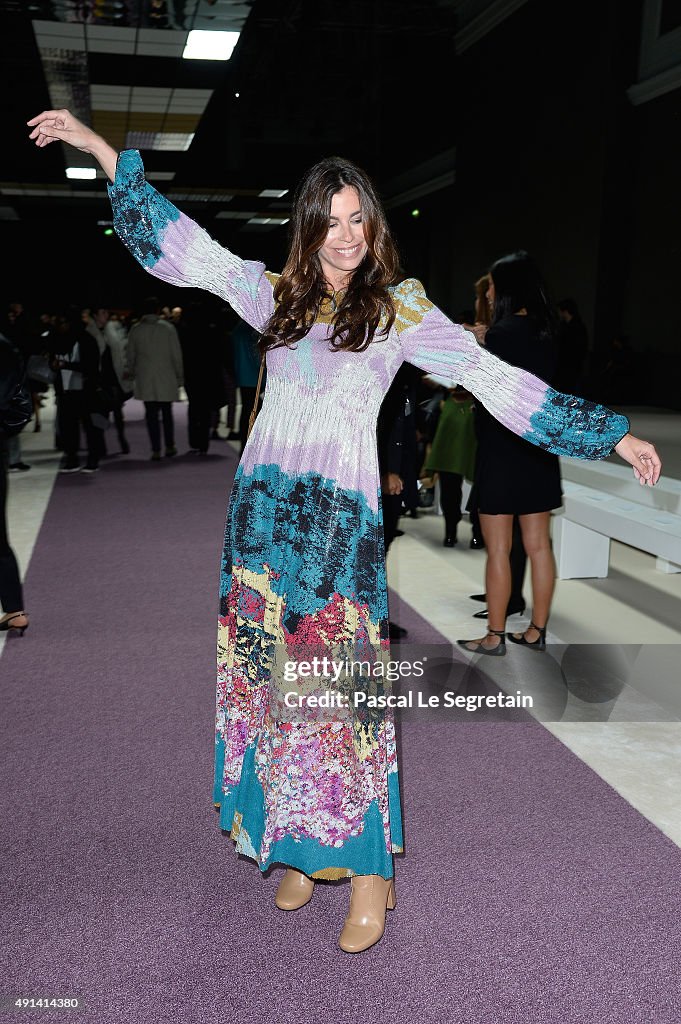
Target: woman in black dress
513	476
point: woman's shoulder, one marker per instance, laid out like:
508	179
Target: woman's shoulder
409	288
411	303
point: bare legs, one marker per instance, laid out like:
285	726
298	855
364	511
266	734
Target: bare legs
537	544
498	535
497	532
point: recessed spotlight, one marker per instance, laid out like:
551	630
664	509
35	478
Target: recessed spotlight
81	173
203	45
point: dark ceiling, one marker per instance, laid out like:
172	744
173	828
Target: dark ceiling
369	79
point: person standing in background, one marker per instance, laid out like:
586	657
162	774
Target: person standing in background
228	382
515	477
202	356
76	360
155	364
452	456
95	318
119	384
518	558
396	421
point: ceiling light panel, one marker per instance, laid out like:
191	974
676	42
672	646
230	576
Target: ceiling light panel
273	193
163	141
81	173
202	45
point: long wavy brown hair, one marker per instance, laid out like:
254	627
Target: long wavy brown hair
302	287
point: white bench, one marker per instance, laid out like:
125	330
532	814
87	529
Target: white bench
603	502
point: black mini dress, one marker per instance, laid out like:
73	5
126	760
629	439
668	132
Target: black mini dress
514	477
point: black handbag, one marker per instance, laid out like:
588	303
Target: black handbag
16	404
16	410
38	369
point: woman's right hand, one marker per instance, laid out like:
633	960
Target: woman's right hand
62	126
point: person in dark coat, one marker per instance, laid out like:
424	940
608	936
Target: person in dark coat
202	344
76	362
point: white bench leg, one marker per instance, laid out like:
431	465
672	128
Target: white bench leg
663	565
580	553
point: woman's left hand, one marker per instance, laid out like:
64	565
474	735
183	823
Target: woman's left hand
643	457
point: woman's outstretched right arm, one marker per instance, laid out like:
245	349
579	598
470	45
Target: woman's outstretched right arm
167	243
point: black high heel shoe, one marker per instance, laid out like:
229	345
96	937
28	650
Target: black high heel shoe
495	652
512	609
537	645
6	624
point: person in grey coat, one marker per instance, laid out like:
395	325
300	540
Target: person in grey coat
155	364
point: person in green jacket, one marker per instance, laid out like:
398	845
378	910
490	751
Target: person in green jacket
452	456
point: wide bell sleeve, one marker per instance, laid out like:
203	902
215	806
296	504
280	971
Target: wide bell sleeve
561	424
172	247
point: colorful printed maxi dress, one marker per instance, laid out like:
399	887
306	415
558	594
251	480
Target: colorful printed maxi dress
303	565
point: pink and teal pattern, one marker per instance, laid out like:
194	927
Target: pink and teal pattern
303	565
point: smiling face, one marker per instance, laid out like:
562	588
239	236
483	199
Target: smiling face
345	246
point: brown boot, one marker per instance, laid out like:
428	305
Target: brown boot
295	890
370	897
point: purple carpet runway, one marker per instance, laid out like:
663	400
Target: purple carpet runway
530	892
